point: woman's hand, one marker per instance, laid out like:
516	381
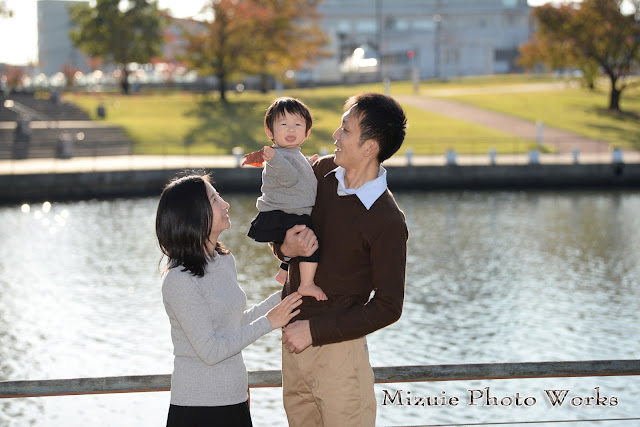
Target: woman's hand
281	314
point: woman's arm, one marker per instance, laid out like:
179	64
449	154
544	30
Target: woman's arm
261	308
191	313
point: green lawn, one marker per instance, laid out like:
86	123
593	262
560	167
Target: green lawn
574	109
185	123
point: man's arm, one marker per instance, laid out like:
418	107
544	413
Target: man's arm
388	258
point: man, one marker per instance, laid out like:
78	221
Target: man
362	237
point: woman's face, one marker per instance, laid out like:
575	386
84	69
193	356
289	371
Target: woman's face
220	210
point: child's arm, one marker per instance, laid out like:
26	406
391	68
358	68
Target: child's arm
282	169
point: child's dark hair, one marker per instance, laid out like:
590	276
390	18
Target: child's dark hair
381	119
287	105
183	224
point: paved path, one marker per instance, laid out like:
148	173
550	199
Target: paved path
521	128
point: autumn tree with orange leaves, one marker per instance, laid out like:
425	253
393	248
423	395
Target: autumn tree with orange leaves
285	35
591	35
255	37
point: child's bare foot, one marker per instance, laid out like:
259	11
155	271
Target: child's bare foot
281	277
311	290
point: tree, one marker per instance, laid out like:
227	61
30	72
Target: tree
589	34
4	10
259	37
217	48
119	31
284	36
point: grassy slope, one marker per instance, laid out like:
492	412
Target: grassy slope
176	123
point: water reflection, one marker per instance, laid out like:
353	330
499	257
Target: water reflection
492	277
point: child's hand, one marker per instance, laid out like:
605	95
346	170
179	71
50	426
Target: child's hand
313	158
268	153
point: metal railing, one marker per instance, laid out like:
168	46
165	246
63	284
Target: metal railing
387	374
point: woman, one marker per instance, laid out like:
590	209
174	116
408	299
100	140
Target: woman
206	308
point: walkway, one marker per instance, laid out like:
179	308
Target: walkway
526	129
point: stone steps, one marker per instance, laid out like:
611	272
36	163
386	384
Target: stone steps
80	141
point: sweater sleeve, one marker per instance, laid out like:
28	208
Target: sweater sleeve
388	258
261	309
285	173
184	299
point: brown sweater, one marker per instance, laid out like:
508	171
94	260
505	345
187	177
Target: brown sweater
360	251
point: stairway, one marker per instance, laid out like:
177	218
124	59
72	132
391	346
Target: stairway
32	127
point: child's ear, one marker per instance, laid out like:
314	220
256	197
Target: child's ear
269	133
308	133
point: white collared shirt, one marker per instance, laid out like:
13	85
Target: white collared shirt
367	193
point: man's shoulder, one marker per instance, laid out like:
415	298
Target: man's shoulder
324	165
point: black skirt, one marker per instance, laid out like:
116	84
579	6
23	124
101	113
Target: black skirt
272	226
210	416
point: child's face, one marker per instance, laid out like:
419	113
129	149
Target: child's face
289	130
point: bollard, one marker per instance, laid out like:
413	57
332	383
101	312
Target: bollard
539	132
576	155
616	156
237	151
492	156
23	130
101	111
387	86
534	157
409	154
451	157
64	146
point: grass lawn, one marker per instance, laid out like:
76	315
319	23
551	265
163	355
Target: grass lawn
574	109
186	123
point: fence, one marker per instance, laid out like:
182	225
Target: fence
388	374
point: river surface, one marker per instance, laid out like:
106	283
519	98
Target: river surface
492	277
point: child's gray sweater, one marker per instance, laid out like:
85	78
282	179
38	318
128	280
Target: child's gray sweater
209	329
288	183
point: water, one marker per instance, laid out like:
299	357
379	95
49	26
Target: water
492	277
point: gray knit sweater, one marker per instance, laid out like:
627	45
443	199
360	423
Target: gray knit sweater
288	183
209	329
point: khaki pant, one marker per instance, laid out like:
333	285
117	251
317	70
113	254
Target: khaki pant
330	385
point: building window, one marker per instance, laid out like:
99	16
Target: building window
366	27
424	24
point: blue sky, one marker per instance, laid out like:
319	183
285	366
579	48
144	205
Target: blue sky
21	29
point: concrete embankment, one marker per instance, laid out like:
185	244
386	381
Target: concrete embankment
33	186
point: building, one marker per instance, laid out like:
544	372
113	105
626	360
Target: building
55	49
400	39
369	39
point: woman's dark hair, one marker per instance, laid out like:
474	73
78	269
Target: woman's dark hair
183	224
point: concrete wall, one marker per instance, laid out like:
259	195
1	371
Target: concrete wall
61	186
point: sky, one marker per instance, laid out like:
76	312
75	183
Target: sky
19	34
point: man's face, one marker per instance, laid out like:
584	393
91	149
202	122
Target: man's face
349	152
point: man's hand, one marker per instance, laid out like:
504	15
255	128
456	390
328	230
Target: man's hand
296	336
299	241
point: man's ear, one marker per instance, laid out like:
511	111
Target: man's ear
372	148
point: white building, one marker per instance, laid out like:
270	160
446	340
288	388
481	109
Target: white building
436	38
55	49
